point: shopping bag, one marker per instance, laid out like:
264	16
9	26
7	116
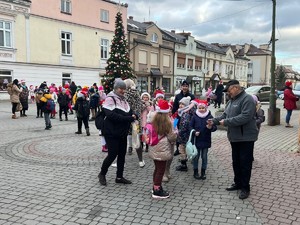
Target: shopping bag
191	149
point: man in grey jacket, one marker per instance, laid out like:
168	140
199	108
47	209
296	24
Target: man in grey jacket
242	132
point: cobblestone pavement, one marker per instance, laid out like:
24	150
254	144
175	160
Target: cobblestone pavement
50	177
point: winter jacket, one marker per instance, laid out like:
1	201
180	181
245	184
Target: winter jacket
146	108
163	150
178	98
132	96
14	92
219	92
118	116
63	99
43	102
239	117
82	108
94	100
199	124
24	97
184	127
289	99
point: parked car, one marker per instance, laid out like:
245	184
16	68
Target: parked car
296	90
261	91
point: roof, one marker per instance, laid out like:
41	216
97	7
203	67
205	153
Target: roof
210	47
171	36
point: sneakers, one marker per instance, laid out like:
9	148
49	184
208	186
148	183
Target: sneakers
142	164
123	181
160	193
165	179
288	125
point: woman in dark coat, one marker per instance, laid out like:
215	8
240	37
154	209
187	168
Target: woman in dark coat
24	98
219	94
118	118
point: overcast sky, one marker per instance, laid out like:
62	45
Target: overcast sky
228	21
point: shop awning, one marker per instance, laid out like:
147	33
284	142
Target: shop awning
155	72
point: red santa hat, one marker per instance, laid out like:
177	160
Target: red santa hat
163	106
159	93
288	83
203	103
66	86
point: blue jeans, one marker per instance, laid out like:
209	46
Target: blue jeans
288	116
203	153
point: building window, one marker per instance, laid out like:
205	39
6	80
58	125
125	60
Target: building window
66	78
154	59
66	6
142	57
104	48
166	83
142	84
66	39
104	15
154	38
5	34
166	60
5	78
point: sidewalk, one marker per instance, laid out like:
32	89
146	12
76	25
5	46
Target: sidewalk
50	177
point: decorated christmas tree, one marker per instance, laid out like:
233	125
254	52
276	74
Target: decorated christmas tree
118	64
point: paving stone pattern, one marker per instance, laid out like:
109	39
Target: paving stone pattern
50	177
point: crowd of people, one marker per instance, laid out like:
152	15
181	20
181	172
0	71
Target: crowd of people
136	122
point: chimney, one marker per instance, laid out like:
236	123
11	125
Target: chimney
173	31
131	17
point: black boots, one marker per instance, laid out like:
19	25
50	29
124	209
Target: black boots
183	166
196	174
102	179
203	175
87	131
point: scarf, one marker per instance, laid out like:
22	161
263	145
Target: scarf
202	115
182	110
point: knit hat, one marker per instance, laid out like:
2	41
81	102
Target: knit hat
119	83
159	93
203	103
185	100
129	84
288	83
163	106
92	90
66	85
63	90
22	81
147	94
100	88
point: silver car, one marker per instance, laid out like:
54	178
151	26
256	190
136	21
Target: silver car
261	91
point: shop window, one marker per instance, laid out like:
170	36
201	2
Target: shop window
66	78
166	83
5	78
142	84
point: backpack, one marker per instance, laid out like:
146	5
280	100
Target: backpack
150	135
50	106
100	117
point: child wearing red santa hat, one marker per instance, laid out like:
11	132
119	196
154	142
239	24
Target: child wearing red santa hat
162	151
200	122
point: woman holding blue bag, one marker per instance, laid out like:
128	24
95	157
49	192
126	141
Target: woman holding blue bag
202	133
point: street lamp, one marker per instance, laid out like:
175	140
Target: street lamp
273	113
